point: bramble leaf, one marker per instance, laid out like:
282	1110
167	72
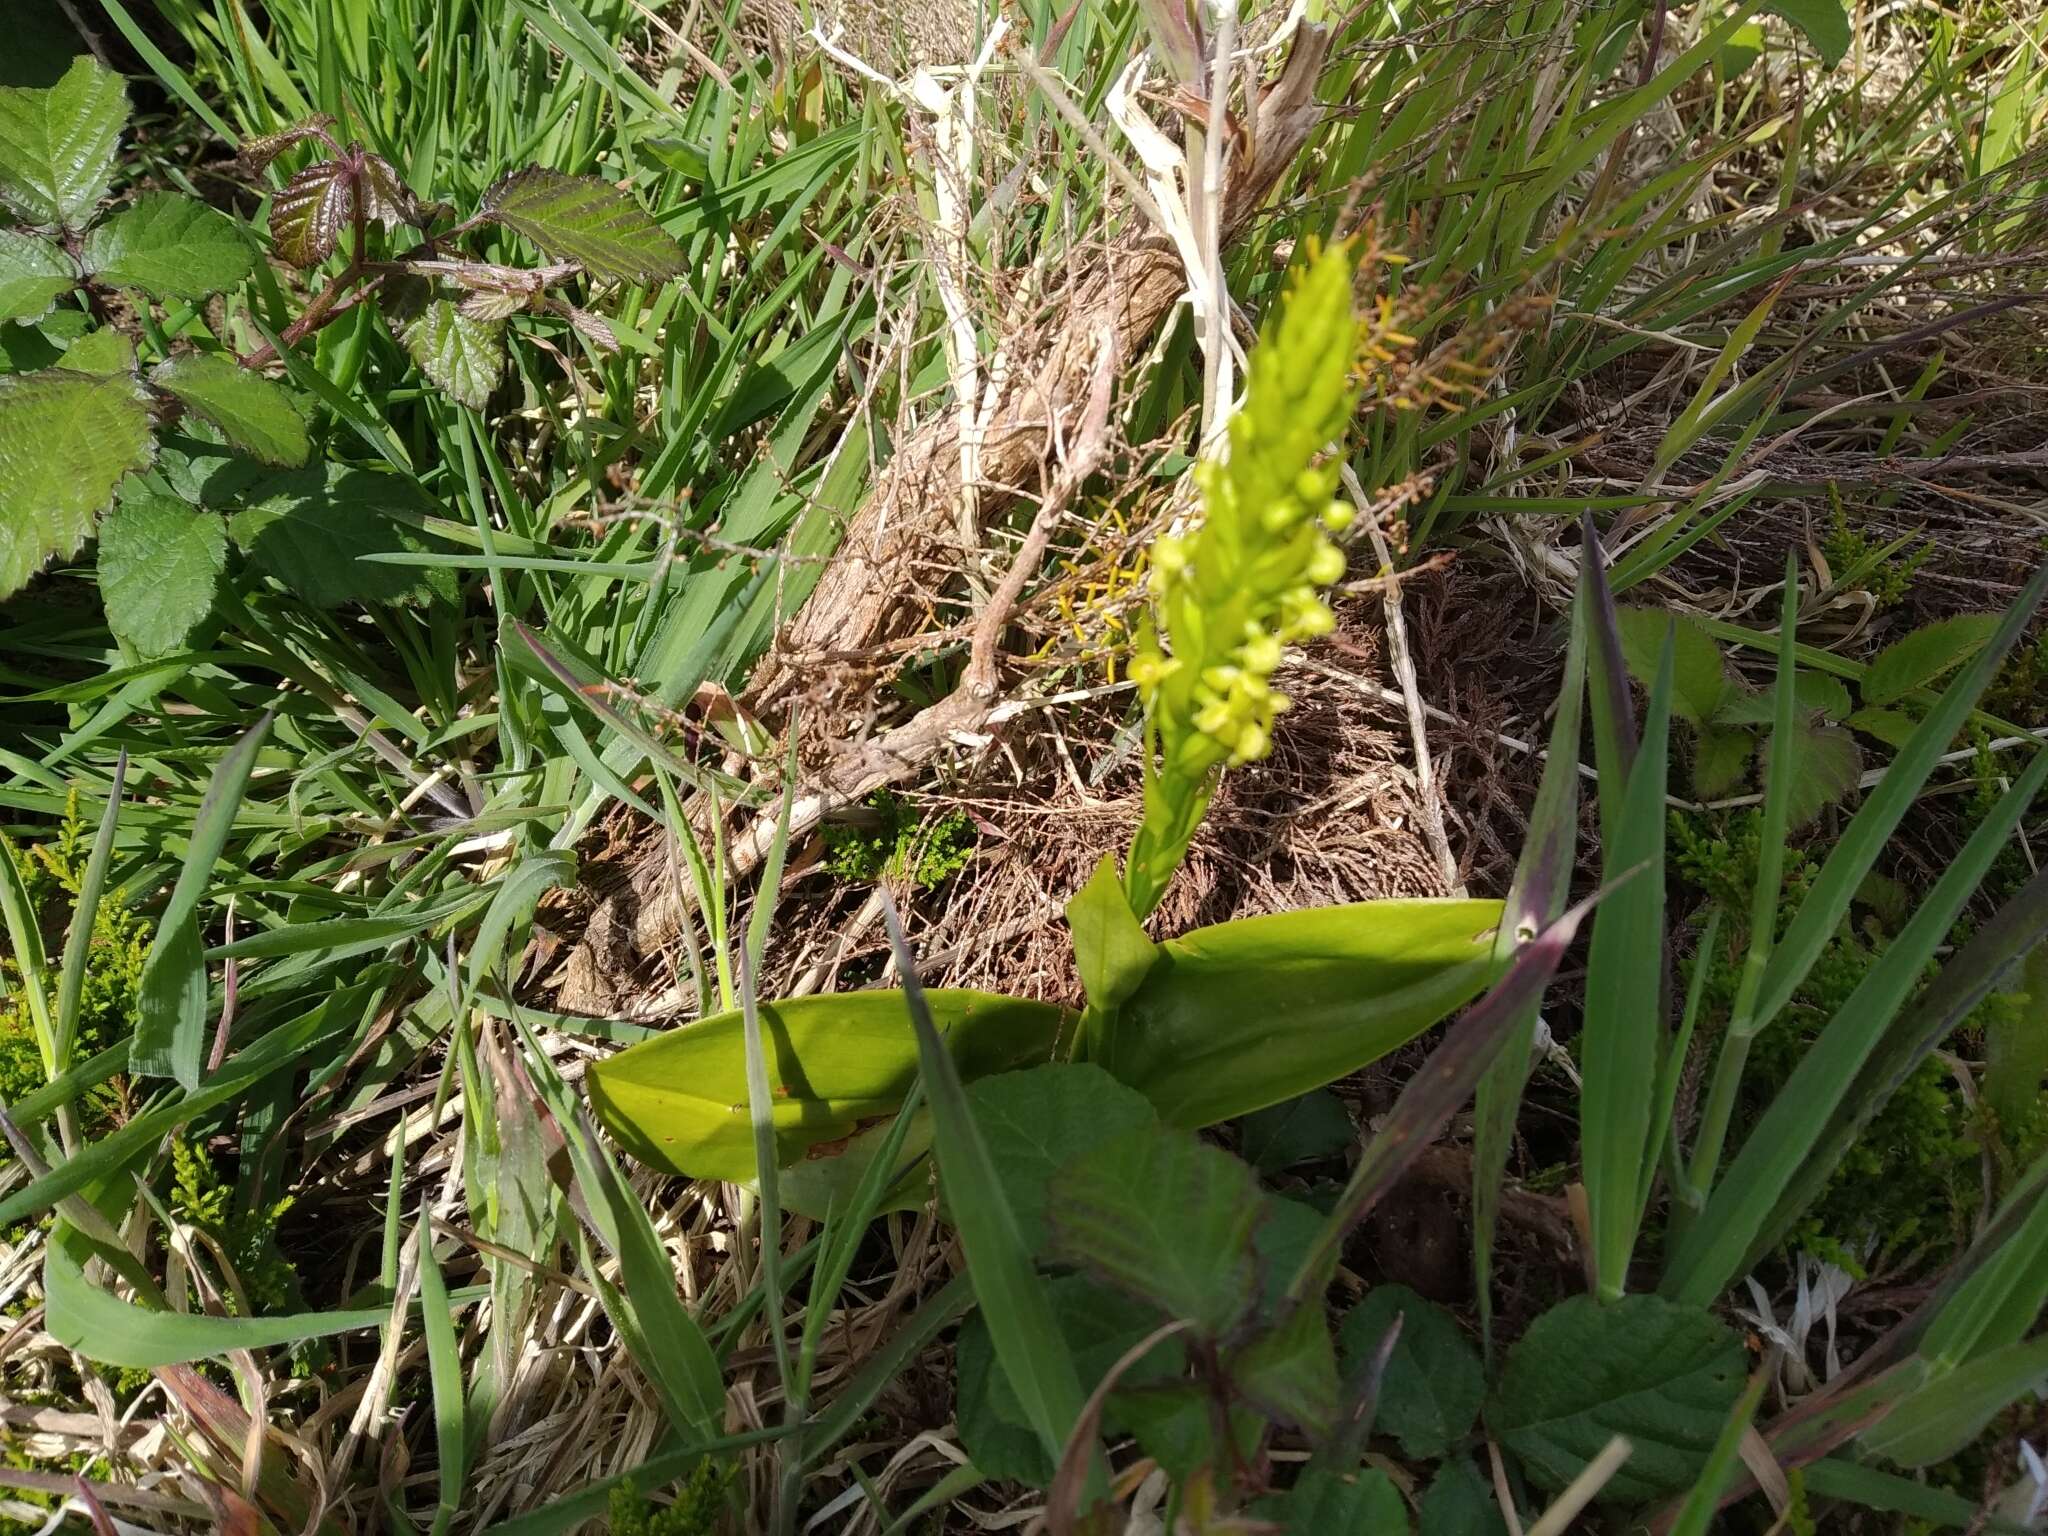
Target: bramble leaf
34	274
584	220
1824	22
459	353
1433	1384
105	351
170	247
258	416
1813	693
1663	1374
258	152
1917	659
307	216
386	197
1699	677
311	529
159	561
1718	758
57	145
1037	1120
1826	764
1301	1130
66	439
1163	1215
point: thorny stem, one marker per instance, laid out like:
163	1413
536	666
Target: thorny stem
327	306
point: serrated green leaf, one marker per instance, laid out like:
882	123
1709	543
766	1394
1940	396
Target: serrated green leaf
1316	1125
312	527
170	247
461	354
1826	765
1433	1384
1459	1502
1824	22
1162	1215
57	145
1324	1503
1037	1120
308	214
1290	1370
1718	758
258	416
1099	1325
1662	1374
34	274
66	439
1927	653
1893	727
1699	677
100	352
584	220
158	563
1813	693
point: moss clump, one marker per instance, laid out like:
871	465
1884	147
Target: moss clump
902	846
1909	1180
52	873
1846	549
693	1512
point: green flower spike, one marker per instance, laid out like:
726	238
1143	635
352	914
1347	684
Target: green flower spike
1248	581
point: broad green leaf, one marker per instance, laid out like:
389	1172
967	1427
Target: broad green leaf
1325	1503
1699	677
1176	1426
1110	945
1162	1215
1925	655
1824	22
1459	1502
1289	1370
1662	1374
308	215
159	560
1433	1384
1314	1126
170	1019
460	354
1098	1324
1718	760
66	439
584	220
34	274
1826	767
1813	693
258	416
837	1063
1203	1039
170	247
1893	727
103	351
57	145
1942	1417
313	528
1037	1120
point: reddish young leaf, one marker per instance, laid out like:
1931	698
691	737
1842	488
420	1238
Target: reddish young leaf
306	218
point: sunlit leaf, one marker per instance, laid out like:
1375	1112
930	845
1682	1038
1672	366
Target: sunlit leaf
1929	652
34	274
308	215
460	353
66	439
584	220
257	415
57	145
170	247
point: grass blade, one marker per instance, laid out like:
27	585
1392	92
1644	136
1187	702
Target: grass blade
1696	1515
170	1025
444	1365
1028	1341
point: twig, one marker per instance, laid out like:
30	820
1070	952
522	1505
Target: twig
1403	663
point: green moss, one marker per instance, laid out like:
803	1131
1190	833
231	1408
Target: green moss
1848	550
200	1198
693	1512
902	846
1910	1179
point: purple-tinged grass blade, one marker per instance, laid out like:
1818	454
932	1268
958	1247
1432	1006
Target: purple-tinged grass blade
1614	720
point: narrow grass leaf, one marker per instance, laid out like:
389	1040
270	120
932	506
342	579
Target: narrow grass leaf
170	1025
1027	1338
444	1366
1696	1514
84	911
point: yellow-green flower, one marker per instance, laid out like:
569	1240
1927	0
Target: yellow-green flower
1229	595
